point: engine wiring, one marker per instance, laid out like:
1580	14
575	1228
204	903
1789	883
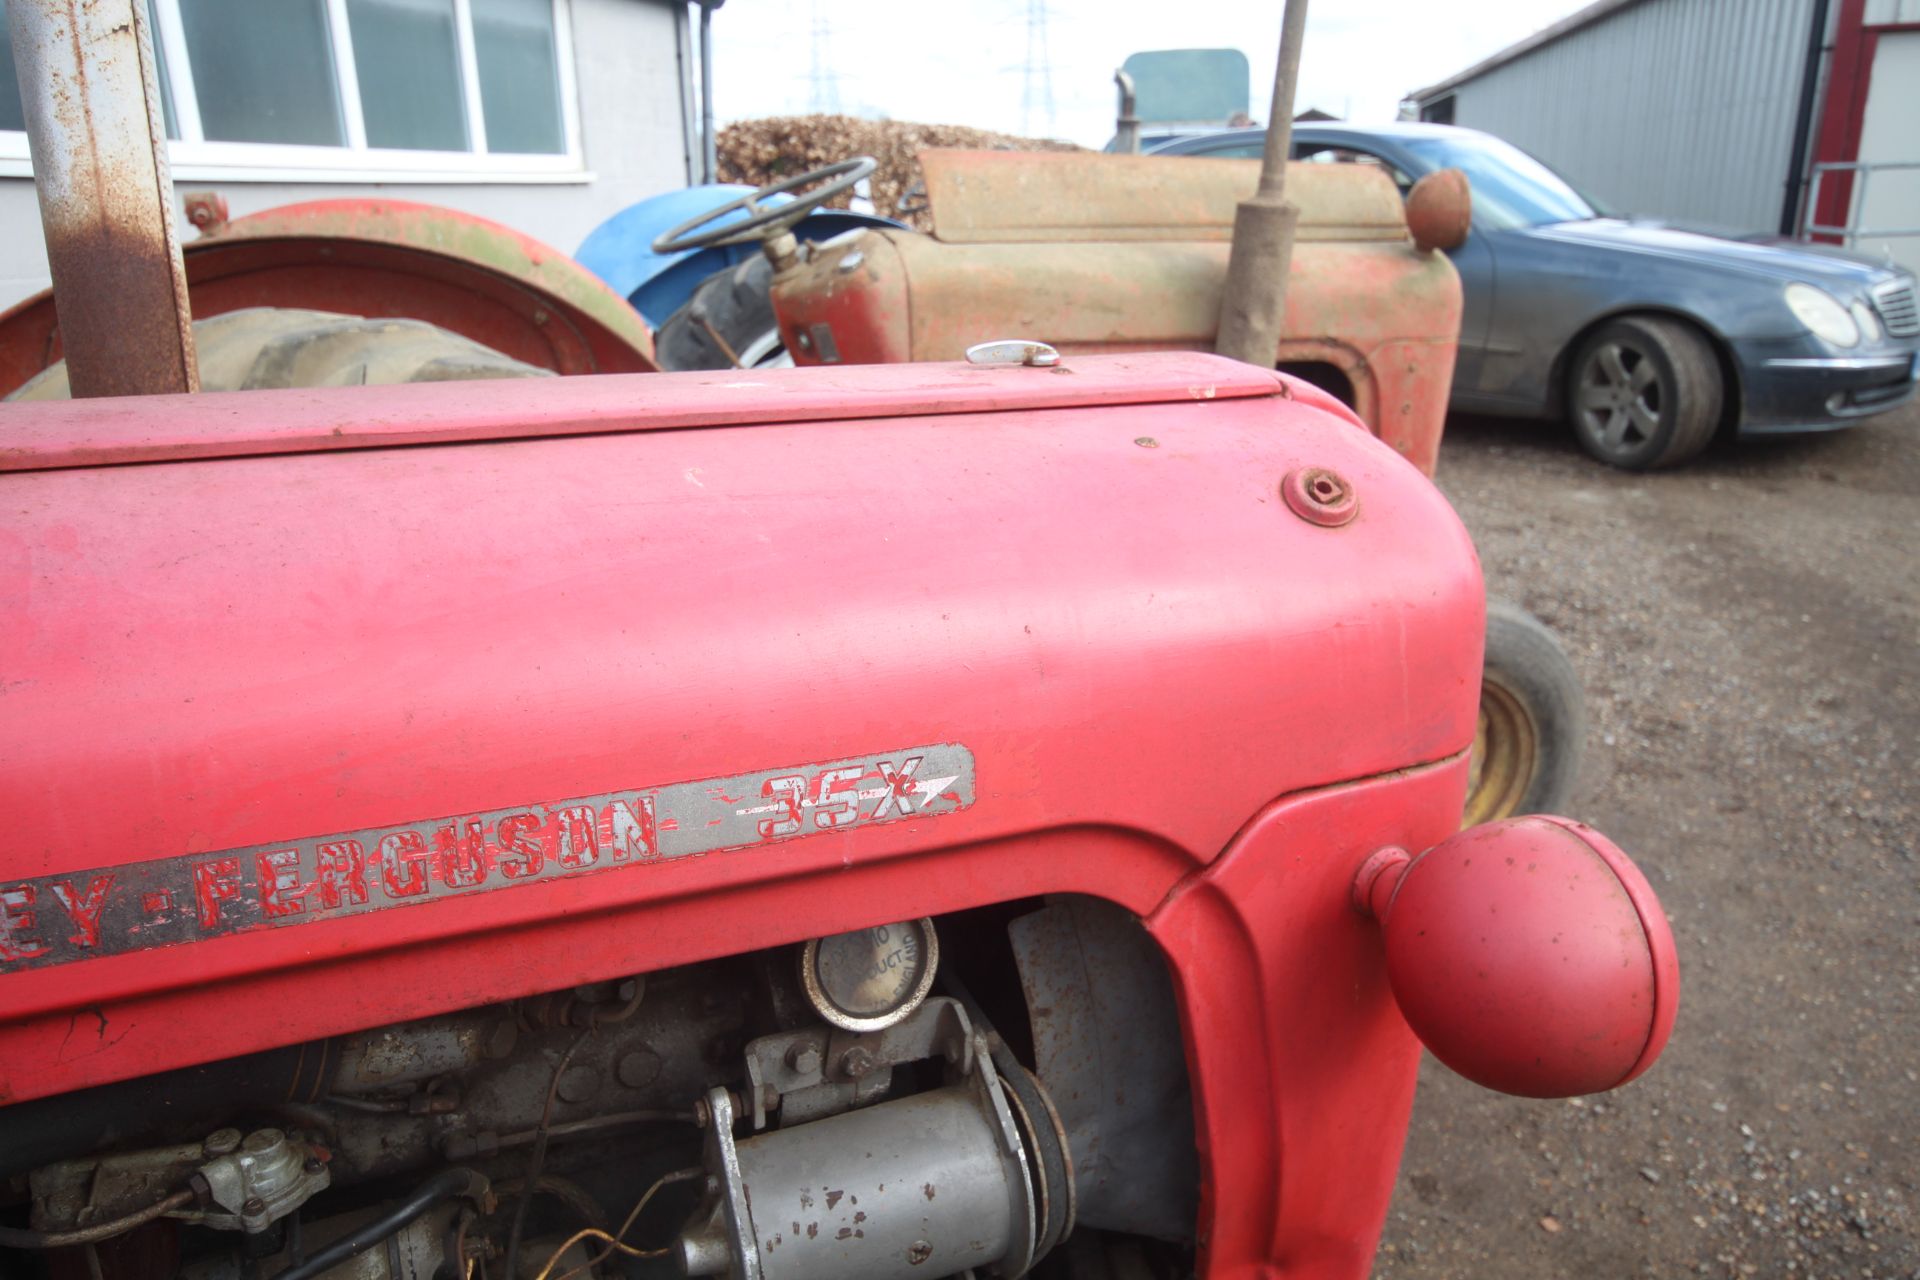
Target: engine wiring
539	1156
18	1238
616	1243
458	1181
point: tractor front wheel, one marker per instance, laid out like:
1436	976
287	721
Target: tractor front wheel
1533	723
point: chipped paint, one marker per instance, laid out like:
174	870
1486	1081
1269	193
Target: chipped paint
191	897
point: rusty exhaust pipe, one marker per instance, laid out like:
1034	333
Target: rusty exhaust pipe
98	141
1253	303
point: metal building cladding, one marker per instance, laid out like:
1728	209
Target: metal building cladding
1709	112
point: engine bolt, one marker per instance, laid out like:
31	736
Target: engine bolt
702	1113
578	1084
804	1059
313	1164
856	1063
500	1039
262	1140
254	1207
918	1252
1320	496
222	1142
638	1068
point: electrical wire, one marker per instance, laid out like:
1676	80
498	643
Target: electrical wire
466	1146
617	1242
445	1185
375	1106
16	1238
539	1156
568	1192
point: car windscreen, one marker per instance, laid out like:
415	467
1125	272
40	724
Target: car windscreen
1510	187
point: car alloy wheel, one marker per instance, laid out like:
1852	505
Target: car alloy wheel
1620	396
1645	392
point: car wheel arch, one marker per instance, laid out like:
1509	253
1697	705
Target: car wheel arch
1732	397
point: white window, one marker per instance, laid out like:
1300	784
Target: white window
354	91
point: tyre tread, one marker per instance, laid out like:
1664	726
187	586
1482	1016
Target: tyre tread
1699	389
737	302
263	348
1529	660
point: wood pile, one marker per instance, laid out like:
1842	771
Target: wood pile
757	152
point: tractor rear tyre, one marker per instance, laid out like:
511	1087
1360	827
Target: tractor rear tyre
261	348
1533	722
728	323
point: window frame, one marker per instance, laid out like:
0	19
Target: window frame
193	158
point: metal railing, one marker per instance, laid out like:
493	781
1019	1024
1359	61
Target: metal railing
1850	233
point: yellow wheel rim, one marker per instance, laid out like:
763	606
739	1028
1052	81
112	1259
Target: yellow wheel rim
1506	748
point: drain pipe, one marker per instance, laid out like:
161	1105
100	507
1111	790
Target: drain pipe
1254	301
98	141
708	141
1797	163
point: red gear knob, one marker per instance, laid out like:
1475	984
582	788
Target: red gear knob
1529	955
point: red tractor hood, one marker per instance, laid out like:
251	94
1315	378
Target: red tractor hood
329	708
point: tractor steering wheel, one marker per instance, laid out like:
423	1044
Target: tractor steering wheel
764	222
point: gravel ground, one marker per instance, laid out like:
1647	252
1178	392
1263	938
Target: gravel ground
1747	631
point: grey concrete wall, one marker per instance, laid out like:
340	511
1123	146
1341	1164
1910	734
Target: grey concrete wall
633	133
1669	108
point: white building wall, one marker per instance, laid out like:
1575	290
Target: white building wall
634	131
1680	109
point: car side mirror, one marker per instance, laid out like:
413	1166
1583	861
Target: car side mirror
1440	211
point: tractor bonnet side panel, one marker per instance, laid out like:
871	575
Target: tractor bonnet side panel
1387	317
983	197
303	742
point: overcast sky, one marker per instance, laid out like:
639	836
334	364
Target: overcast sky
964	61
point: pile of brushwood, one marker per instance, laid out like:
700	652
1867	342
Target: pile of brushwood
757	152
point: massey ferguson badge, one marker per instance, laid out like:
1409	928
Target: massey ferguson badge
156	903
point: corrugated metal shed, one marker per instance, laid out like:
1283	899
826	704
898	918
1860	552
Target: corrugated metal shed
1681	109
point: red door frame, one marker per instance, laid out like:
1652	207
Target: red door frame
1844	111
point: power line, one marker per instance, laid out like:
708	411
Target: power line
1036	92
824	88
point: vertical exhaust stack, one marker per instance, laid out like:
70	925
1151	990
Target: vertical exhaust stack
1254	301
1126	126
98	140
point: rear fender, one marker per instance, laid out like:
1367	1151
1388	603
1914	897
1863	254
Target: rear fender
387	258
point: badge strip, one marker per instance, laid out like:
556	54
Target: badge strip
166	901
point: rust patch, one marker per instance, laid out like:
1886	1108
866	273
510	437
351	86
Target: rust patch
105	203
114	295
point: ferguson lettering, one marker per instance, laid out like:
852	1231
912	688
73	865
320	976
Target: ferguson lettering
166	901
